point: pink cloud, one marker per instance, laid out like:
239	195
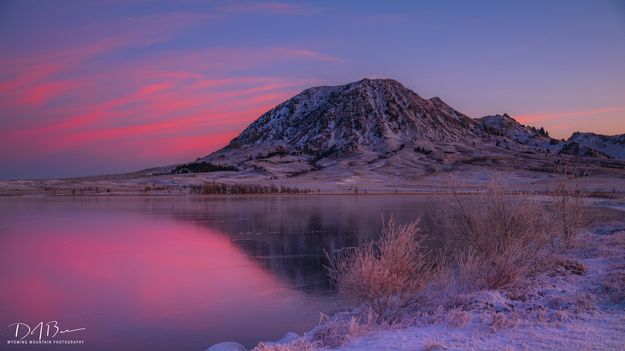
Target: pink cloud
42	93
307	54
182	103
153	88
26	68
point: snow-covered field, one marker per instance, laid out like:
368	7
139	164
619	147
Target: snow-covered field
558	310
577	304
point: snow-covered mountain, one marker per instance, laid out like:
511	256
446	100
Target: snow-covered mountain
613	146
368	115
377	125
508	127
579	144
356	124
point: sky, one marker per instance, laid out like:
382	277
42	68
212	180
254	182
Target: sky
101	87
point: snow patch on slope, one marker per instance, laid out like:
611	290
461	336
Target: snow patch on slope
613	146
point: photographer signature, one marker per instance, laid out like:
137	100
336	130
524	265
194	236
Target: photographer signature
48	329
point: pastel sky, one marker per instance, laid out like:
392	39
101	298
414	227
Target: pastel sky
97	87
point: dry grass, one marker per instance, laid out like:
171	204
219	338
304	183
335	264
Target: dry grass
566	266
297	345
501	320
575	302
613	284
457	317
385	276
433	344
338	332
496	238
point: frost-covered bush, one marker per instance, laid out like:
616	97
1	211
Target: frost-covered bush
385	276
496	238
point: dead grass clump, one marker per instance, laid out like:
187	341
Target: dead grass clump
517	295
338	332
584	303
613	284
385	276
457	317
619	240
433	344
503	320
576	303
567	266
296	345
562	316
496	238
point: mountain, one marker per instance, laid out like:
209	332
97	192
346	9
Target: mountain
579	144
363	121
368	115
379	126
507	127
612	146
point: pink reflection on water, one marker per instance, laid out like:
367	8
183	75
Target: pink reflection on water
137	281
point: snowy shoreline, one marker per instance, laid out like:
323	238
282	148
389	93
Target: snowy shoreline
577	304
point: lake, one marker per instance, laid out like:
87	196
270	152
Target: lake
176	273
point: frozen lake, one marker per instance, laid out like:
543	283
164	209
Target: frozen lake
178	273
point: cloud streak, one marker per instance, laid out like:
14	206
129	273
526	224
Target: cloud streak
118	88
543	117
306	54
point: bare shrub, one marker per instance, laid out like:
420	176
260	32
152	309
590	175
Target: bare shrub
569	197
496	237
385	276
613	284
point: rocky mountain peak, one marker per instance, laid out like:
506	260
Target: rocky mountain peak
373	114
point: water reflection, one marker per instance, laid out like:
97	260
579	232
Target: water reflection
288	235
178	273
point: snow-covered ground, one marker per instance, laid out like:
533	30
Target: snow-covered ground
578	304
556	311
388	178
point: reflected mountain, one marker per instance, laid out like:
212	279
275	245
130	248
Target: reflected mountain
290	235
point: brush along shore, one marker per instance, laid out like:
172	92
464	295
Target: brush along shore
530	275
